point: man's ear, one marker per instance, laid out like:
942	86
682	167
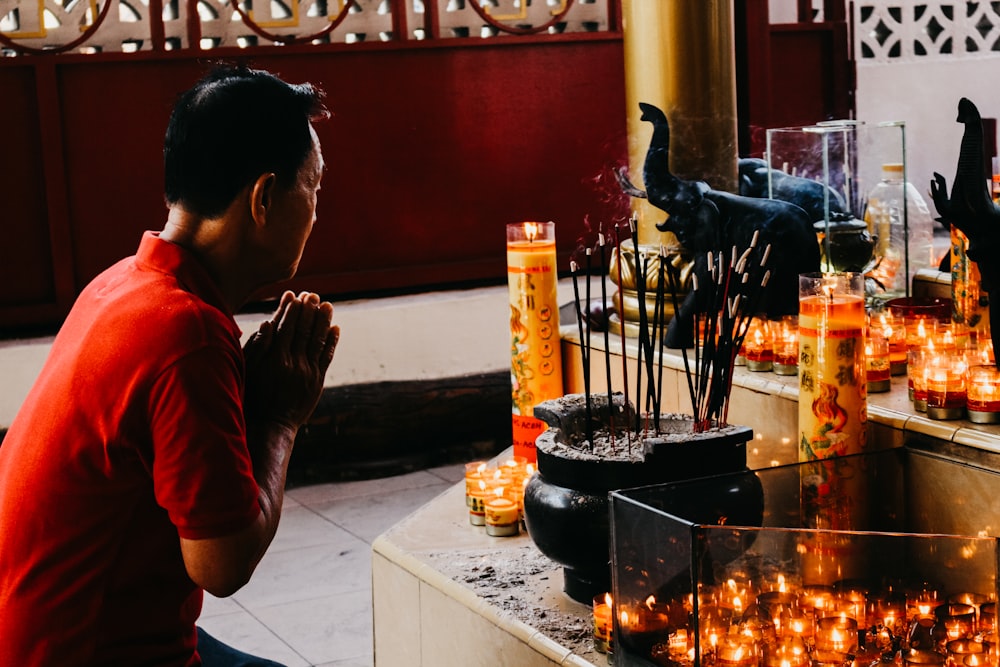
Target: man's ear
261	197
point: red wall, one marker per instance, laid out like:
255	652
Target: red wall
432	149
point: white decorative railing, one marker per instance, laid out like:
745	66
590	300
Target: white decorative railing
907	31
35	26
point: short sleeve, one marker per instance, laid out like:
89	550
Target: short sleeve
202	472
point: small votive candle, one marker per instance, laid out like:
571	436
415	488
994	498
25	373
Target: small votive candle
785	334
836	633
877	365
757	346
474	472
946	392
957	620
984	394
916	371
502	515
892	329
736	650
921	658
477	503
790	652
602	623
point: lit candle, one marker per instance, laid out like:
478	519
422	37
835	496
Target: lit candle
958	649
892	329
786	345
958	620
836	633
502	515
877	364
757	346
473	474
916	370
602	622
477	504
946	392
736	650
791	652
984	394
922	658
833	413
536	364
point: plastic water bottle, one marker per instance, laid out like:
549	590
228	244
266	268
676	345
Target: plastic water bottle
903	223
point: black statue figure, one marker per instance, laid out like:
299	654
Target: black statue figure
971	208
808	194
705	220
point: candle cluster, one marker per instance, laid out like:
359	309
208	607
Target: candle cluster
791	625
771	345
950	369
494	494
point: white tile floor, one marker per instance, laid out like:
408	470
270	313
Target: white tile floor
309	602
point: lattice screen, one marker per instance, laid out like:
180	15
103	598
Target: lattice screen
914	31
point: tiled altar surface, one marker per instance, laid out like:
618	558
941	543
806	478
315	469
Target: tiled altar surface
426	611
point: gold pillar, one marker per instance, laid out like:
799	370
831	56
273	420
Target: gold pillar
680	56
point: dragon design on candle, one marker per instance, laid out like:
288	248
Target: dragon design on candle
832	418
706	220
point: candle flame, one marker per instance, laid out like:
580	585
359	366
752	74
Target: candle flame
607	599
650	602
781	583
531	230
499	491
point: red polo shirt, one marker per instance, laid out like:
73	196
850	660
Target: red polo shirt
132	435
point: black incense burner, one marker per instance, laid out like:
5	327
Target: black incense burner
566	502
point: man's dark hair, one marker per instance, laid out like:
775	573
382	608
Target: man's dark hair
232	126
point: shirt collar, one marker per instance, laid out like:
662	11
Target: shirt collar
156	254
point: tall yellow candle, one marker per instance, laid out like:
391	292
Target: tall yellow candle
833	414
536	363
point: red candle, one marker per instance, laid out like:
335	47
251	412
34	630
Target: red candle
984	394
877	362
786	345
946	392
757	346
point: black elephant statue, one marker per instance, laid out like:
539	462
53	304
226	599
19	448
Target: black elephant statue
705	220
808	194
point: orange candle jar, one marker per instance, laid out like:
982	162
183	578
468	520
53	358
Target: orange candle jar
983	403
946	391
833	412
916	371
837	634
877	364
602	623
892	329
474	472
757	346
536	362
785	333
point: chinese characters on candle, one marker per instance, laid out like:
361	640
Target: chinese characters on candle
536	363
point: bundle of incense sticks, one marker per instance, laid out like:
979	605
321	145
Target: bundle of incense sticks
731	297
736	283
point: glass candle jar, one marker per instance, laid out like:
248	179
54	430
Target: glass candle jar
757	346
785	334
984	394
877	365
946	389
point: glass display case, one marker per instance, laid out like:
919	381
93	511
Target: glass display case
877	557
852	178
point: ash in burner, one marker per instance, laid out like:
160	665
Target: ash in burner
520	583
